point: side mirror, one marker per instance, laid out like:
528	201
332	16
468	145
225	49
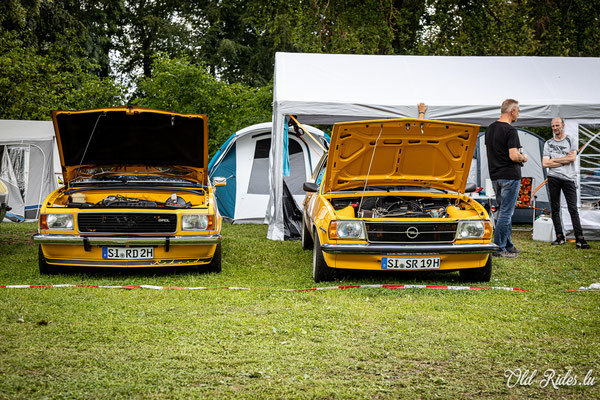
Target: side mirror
471	187
310	187
219	181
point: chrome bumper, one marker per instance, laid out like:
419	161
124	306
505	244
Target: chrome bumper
133	241
409	249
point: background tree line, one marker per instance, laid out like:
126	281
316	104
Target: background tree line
217	57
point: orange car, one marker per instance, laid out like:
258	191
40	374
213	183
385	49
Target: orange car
135	192
390	195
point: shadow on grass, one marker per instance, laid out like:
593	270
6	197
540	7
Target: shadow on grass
400	277
112	272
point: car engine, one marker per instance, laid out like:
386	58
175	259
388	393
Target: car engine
119	201
395	206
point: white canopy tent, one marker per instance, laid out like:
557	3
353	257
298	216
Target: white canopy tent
330	88
29	164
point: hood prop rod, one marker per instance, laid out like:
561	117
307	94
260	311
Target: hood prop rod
369	171
87	145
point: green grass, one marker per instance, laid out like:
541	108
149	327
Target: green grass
269	343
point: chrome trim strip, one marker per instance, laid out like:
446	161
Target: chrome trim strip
409	249
43	238
130	263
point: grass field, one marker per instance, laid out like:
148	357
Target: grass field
269	343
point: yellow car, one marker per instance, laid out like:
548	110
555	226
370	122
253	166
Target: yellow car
135	192
390	195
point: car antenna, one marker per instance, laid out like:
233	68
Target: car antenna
88	144
362	196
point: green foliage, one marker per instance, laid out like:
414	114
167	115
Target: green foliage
152	27
511	28
567	28
231	42
348	26
180	86
480	27
32	83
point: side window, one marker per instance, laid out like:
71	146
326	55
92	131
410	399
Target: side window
320	177
317	175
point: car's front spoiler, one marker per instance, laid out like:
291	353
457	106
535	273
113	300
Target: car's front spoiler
126	240
410	249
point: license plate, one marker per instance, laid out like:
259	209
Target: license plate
410	263
124	253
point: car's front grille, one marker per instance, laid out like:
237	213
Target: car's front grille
394	232
126	223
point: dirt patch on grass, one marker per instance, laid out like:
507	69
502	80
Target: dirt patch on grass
11	238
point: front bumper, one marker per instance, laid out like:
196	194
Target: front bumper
471	248
42	238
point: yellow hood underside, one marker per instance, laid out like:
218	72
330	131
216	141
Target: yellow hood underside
410	152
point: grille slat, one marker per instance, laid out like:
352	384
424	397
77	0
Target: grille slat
393	232
126	223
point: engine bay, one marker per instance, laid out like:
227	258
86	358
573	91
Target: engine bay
78	200
399	206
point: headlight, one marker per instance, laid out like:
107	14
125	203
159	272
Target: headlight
196	222
346	230
56	221
470	230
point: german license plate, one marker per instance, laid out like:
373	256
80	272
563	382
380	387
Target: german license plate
125	253
410	263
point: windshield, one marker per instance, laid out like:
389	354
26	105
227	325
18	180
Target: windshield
148	175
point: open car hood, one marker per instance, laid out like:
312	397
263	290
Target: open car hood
130	138
408	152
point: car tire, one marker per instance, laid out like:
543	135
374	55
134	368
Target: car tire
45	268
307	241
482	274
321	272
215	263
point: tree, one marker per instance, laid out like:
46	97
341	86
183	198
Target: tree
478	28
230	42
342	26
567	28
151	27
33	84
90	25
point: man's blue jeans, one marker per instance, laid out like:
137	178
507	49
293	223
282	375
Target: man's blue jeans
507	192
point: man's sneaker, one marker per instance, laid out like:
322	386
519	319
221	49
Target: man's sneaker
505	254
580	243
560	239
514	250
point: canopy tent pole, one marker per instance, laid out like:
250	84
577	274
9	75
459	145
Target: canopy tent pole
274	214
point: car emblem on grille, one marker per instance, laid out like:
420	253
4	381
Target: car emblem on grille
412	232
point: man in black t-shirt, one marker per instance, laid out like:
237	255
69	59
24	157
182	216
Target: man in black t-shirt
504	164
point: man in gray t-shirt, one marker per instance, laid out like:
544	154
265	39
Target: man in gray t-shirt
559	157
